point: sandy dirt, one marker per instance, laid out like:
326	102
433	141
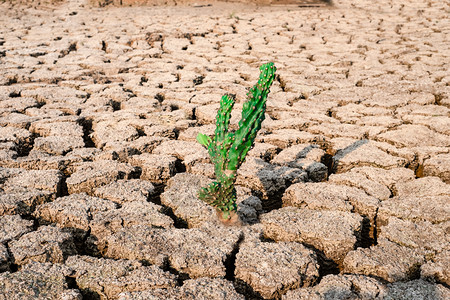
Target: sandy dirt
346	194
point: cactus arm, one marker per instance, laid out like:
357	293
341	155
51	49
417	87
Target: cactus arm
203	139
252	117
223	117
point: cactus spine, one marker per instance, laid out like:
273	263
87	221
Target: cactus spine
227	150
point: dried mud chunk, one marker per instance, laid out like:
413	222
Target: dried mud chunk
340	287
17	120
273	268
388	178
192	289
19	104
141	243
359	180
190	134
438	166
161	131
333	232
155	168
181	196
74	211
7	155
123	191
201	252
47	180
23	201
106	278
179	149
4	259
197	252
125	149
6	173
407	135
421	235
290	155
90	175
268	180
58	145
38	281
434	209
156	294
107	132
37	160
331	197
12	227
265	151
305	157
130	214
209	289
437	268
47	128
47	244
426	186
20	137
386	260
284	138
365	153
416	289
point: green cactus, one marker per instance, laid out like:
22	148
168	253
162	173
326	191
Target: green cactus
227	150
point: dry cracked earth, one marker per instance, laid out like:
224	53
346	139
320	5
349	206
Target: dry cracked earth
346	194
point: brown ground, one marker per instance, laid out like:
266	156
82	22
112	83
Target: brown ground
346	194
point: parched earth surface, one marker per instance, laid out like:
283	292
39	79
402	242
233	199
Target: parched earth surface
346	194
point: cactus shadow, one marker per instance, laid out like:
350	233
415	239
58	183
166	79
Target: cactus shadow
273	180
341	153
